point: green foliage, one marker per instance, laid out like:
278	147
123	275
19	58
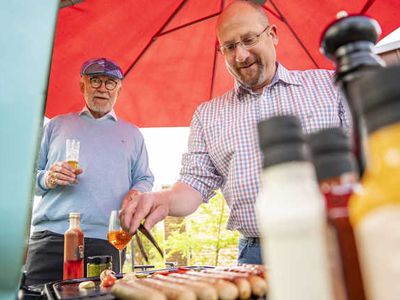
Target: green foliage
152	253
206	241
206	235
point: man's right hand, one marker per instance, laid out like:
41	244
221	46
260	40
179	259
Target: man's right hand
179	200
153	207
61	173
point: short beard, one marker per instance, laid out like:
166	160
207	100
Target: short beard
252	82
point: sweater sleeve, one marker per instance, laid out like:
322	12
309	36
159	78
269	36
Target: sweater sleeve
40	186
142	177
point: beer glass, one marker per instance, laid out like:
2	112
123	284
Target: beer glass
72	152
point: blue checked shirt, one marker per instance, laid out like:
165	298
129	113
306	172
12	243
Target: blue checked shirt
223	149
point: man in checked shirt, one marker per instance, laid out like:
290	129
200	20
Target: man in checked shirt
223	144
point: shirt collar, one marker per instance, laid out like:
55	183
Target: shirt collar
110	115
282	74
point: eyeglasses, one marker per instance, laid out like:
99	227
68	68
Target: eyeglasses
96	82
246	42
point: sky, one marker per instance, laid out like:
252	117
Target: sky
165	147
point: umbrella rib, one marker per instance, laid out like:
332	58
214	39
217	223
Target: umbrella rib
294	33
222	4
153	38
367	6
187	24
272	13
67	3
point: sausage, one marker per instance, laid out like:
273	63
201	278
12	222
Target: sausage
131	290
240	269
171	290
258	285
240	280
226	290
203	290
258	270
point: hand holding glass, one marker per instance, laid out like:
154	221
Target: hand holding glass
72	152
116	236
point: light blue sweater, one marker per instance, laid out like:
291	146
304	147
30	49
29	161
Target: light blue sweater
114	160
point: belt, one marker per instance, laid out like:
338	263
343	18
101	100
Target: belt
251	240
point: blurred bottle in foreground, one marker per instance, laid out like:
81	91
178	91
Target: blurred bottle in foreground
337	175
291	214
375	208
349	42
73	248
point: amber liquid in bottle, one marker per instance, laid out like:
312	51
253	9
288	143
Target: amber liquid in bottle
375	215
73	249
337	192
337	177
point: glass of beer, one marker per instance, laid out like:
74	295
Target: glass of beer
116	236
72	152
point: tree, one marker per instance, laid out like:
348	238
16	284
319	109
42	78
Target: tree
206	236
206	241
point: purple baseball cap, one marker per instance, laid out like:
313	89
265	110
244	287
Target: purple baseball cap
101	66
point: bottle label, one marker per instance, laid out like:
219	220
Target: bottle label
338	196
79	252
378	241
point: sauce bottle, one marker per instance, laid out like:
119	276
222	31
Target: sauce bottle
73	248
375	207
349	43
337	176
291	214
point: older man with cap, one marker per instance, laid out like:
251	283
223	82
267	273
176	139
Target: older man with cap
113	166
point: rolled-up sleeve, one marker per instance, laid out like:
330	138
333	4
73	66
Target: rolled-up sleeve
198	170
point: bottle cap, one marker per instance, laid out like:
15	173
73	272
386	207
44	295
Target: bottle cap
380	94
282	140
74	215
99	259
331	151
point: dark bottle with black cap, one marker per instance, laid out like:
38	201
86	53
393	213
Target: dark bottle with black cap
291	214
375	207
349	42
337	176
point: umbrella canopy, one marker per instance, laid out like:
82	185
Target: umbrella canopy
167	50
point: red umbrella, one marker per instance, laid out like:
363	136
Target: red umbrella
167	50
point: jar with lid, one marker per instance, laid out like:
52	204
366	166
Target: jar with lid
97	264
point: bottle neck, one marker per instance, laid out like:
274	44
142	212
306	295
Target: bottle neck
74	223
303	170
347	179
384	151
337	190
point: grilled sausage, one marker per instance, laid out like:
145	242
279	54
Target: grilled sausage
246	269
203	290
171	290
240	280
261	269
258	285
131	290
226	290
